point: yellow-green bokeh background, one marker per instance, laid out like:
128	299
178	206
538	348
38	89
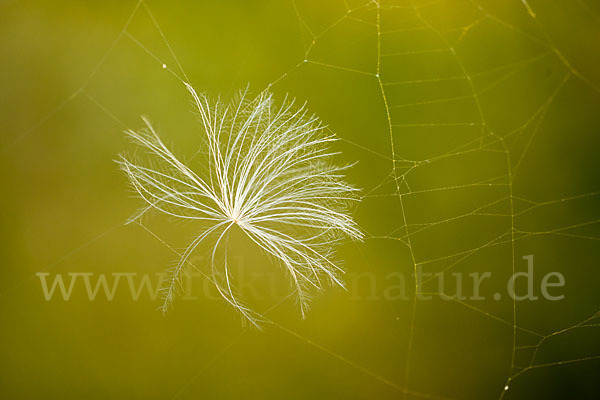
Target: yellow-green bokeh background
536	79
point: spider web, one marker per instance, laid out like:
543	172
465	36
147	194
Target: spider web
450	145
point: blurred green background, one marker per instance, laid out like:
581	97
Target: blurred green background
493	117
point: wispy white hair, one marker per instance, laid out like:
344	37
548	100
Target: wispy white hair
270	171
